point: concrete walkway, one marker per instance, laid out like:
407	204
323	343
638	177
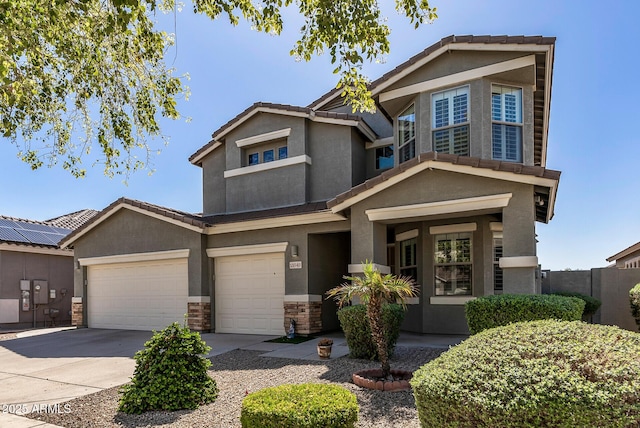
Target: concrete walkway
50	366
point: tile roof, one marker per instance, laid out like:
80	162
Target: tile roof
284	108
31	233
169	213
452	39
624	253
494	165
72	220
268	213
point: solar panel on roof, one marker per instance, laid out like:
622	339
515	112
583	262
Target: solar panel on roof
33	226
9	234
60	230
35	237
34	233
54	237
7	223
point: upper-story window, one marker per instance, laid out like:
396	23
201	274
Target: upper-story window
407	134
451	121
506	126
384	157
267	152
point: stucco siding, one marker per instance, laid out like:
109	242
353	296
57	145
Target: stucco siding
213	183
56	270
128	232
272	188
454	62
331	155
296	280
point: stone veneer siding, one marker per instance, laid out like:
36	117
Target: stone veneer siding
77	318
199	318
307	316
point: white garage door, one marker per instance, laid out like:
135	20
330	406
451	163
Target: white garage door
145	295
250	294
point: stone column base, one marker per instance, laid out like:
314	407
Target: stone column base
307	316
199	316
77	316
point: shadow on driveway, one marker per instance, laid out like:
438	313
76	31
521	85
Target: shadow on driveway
79	343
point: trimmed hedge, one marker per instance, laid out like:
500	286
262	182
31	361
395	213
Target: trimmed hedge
170	374
591	304
503	309
634	300
541	373
357	332
300	406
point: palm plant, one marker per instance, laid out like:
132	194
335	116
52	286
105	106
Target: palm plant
375	289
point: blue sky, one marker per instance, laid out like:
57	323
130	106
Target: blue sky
593	136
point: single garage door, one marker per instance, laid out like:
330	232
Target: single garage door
250	294
145	295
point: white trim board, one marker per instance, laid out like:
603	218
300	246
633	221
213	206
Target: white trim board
518	262
450	300
275	222
440	207
304	298
204	154
362	127
134	257
358	268
261	138
453	228
36	250
199	299
456	78
242	250
267	166
446	166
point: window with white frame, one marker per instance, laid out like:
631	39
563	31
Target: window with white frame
506	123
408	258
266	152
407	134
450	121
453	264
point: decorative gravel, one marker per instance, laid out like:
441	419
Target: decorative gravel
240	372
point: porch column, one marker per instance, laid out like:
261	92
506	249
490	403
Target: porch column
519	262
368	240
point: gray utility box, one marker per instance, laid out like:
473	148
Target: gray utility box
40	292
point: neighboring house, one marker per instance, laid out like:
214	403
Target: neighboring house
629	258
36	275
444	183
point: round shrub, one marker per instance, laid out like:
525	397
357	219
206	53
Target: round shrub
503	309
357	332
541	373
170	374
300	406
591	304
634	300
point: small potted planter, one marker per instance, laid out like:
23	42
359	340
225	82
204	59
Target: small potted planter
324	348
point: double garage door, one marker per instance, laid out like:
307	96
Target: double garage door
149	295
145	295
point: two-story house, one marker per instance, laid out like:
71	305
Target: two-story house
444	183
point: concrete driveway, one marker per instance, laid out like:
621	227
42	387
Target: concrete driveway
61	365
51	366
